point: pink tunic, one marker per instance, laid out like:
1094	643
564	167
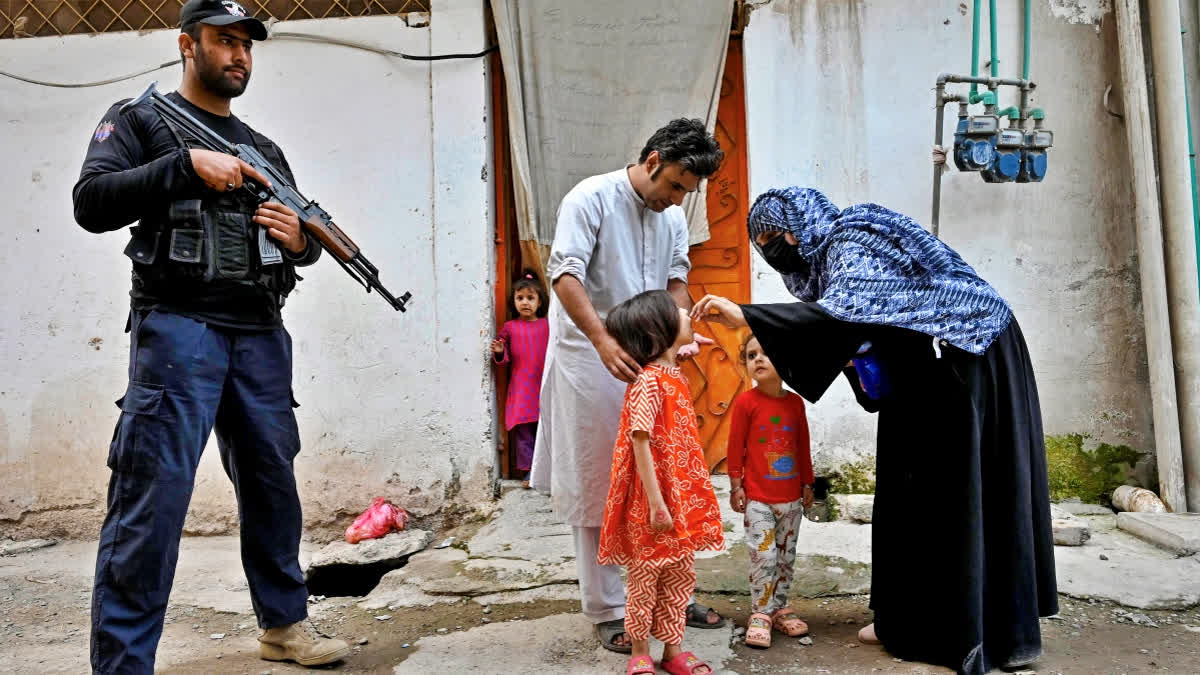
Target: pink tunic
525	347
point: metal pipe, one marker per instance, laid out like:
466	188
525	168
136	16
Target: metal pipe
1152	266
942	101
1178	221
995	61
1026	41
991	82
975	51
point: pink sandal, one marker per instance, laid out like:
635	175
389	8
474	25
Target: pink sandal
758	631
640	665
685	664
786	622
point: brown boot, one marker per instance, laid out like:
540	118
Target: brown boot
302	643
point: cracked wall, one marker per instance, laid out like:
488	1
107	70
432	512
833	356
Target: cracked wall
393	404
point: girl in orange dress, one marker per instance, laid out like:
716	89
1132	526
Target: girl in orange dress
661	508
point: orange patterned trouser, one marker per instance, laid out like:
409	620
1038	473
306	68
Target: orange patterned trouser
657	598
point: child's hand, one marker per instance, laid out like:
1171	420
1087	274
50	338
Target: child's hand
692	348
498	346
737	500
660	518
807	497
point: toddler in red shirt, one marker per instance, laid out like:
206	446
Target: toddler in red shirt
771	476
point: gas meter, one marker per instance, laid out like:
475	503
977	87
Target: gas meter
1006	161
1033	155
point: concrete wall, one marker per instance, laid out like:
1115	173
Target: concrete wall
840	97
392	404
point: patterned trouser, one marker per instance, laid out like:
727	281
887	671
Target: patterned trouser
771	537
657	598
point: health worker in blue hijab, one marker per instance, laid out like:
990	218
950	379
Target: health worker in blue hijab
962	550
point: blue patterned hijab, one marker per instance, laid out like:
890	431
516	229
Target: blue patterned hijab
873	265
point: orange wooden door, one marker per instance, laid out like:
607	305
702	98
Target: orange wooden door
721	265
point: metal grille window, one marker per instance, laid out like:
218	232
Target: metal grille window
37	18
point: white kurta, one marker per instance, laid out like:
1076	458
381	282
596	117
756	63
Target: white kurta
617	248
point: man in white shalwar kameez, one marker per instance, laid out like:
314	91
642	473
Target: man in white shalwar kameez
618	234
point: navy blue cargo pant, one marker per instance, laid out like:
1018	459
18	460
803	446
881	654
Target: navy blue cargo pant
186	376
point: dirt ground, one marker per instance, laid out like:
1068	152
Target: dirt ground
44	629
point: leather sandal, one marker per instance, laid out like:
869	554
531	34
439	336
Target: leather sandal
697	616
607	630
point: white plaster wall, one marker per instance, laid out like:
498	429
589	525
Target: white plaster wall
392	404
840	97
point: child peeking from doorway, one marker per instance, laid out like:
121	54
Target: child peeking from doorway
521	345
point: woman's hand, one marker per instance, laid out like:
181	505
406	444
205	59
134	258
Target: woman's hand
720	310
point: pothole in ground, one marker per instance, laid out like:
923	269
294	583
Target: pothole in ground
336	581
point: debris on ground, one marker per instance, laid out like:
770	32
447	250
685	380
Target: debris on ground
380	518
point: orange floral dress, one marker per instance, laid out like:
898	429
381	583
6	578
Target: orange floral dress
659	402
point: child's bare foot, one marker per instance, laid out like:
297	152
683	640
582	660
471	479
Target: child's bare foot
525	484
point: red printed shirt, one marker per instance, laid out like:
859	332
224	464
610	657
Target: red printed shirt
768	446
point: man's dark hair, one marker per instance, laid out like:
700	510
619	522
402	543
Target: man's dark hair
687	143
645	325
192	31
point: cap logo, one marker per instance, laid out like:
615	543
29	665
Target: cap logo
233	8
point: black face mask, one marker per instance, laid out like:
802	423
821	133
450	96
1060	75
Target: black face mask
784	257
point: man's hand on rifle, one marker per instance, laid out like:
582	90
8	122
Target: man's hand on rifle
282	224
223	172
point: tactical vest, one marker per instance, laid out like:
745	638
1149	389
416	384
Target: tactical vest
210	239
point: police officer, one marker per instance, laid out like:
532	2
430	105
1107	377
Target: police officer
207	349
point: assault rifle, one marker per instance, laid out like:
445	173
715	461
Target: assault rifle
315	219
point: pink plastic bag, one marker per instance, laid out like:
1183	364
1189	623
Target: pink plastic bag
379	519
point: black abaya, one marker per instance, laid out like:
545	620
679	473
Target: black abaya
962	551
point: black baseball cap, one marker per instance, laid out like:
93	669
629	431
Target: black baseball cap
220	13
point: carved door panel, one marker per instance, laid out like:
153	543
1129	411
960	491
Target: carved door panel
721	265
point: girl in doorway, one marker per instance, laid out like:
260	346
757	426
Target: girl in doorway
770	478
661	508
522	343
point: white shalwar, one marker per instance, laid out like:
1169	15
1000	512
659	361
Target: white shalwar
616	247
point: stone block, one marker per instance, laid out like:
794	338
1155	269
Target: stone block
855	508
1176	532
394	547
1070	531
10	547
